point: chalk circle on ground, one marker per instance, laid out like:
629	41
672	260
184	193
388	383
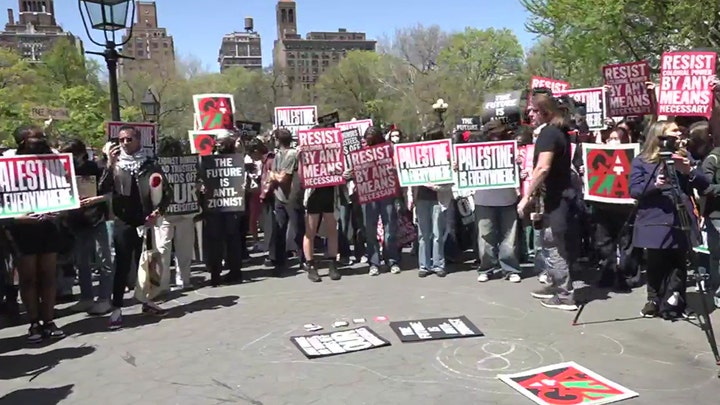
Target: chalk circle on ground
486	358
566	383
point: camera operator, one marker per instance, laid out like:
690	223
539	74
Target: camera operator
556	215
658	227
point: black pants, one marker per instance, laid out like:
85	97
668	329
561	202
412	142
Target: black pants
608	227
288	215
223	240
666	273
270	230
128	247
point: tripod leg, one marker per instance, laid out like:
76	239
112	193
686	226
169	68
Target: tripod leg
577	316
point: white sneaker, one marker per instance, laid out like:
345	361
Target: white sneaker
543	278
100	308
514	278
395	269
82	306
374	271
483	278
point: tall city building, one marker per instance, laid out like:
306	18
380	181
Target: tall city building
35	31
151	47
304	60
242	49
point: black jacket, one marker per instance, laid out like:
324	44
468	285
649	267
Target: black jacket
142	180
91	216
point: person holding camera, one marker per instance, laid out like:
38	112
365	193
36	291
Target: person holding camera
658	227
552	188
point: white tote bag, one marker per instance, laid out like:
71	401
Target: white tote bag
150	269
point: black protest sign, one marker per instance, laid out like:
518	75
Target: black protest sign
328	120
504	107
352	141
223	178
332	344
181	173
433	329
468	124
248	128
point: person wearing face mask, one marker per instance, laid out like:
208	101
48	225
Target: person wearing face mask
88	225
223	230
35	238
127	178
657	226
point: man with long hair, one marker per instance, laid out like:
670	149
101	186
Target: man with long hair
552	189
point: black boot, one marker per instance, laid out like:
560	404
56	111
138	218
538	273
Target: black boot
333	271
215	277
312	272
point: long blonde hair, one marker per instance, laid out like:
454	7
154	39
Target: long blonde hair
651	147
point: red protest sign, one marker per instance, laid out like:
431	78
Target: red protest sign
322	161
203	142
526	164
214	111
607	172
628	94
537	82
375	174
685	83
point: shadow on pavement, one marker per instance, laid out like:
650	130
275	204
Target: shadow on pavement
38	396
32	365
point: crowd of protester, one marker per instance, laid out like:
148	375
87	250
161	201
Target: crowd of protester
547	226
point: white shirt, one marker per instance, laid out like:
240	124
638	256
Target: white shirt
503	197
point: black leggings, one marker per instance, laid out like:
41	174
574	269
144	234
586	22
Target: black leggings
128	247
666	273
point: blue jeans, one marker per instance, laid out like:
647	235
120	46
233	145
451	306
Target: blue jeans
497	237
431	236
713	240
384	210
88	242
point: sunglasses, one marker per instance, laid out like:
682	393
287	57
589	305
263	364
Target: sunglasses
126	139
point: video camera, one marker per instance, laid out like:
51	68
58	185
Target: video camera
668	145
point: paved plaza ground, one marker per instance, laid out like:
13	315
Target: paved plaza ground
230	345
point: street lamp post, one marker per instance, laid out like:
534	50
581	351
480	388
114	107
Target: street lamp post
108	16
150	106
440	108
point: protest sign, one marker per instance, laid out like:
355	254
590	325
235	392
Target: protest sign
421	163
537	82
685	83
361	125
342	342
223	177
203	142
297	118
468	124
526	154
436	328
329	120
43	113
628	94
37	184
352	141
504	107
487	165
214	111
322	161
148	133
607	172
248	129
375	174
181	174
595	108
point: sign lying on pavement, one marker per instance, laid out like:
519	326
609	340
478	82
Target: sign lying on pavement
331	344
435	328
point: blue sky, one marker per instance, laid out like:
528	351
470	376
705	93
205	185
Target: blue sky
198	25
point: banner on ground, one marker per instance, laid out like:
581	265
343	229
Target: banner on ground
352	141
214	111
360	125
248	129
628	94
203	142
322	161
181	173
375	175
223	177
607	172
435	328
295	119
504	107
37	184
487	165
595	108
148	133
685	83
422	163
330	344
